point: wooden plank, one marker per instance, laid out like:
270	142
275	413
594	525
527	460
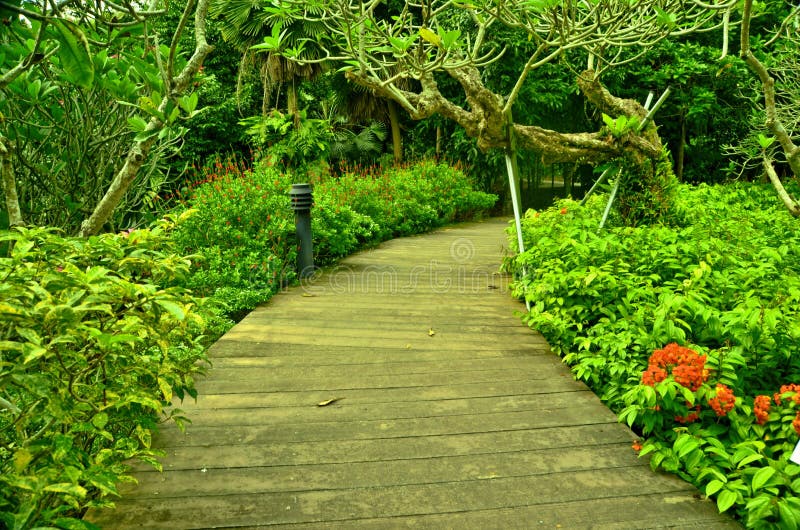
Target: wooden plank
345	410
210	480
404	387
386	428
653	511
301	452
382	375
303	506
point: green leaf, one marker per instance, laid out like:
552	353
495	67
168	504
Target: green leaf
449	38
32	352
22	457
789	515
166	388
74	53
726	499
173	309
765	141
70	523
137	123
70	489
761	477
430	36
100	420
713	487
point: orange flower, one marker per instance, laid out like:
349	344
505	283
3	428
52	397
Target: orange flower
686	365
563	211
796	423
724	400
637	445
761	408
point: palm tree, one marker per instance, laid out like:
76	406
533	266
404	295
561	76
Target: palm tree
247	23
360	105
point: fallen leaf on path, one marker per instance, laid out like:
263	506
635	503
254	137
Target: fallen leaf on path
309	295
328	402
431	333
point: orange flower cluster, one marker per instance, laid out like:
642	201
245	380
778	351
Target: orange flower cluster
761	408
793	388
686	365
724	400
788	388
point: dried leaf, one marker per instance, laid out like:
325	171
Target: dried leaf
309	295
328	402
431	333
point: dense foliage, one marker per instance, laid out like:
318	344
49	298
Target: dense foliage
97	335
241	225
724	282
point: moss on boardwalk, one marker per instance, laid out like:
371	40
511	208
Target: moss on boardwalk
449	414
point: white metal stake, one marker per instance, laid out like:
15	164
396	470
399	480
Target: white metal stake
512	182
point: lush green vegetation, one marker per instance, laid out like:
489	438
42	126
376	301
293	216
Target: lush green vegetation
99	334
241	227
106	110
723	282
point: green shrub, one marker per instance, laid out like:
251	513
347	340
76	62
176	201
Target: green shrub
96	337
241	226
408	199
726	283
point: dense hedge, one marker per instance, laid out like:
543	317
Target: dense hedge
241	224
679	329
98	335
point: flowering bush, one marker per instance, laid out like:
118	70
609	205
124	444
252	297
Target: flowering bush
686	331
241	227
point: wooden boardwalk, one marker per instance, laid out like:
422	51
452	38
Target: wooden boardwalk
449	413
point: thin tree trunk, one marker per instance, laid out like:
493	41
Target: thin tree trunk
397	139
788	201
291	103
9	184
438	142
681	149
138	152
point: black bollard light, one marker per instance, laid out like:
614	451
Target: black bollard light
302	200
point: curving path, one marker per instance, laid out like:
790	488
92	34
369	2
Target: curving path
447	413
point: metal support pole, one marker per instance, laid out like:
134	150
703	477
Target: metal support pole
594	186
611	198
302	200
510	168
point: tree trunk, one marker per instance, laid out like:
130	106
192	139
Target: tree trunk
681	149
397	139
650	182
9	184
773	122
291	103
438	142
122	181
792	205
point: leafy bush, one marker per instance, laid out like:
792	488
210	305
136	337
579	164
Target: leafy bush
97	336
408	199
241	225
725	284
